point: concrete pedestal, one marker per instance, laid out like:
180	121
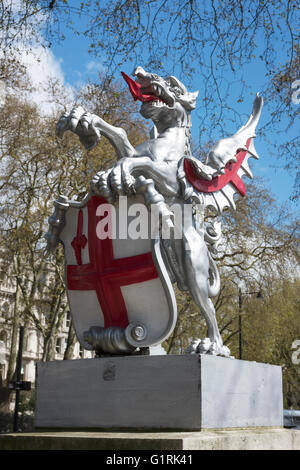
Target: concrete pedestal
244	439
146	393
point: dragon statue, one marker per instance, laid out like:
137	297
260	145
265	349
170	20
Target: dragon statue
177	177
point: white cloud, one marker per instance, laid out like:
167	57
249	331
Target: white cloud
43	68
95	67
89	72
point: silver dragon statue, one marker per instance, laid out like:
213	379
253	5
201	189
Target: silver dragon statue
177	177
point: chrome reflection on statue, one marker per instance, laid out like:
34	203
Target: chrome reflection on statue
164	172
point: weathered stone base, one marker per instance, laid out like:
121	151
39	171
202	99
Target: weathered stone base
250	439
147	393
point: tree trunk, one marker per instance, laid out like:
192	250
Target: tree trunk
14	340
72	339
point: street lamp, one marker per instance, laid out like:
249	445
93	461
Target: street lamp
19	384
241	294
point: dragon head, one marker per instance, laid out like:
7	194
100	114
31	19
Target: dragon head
164	100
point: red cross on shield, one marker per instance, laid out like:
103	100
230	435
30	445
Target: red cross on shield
114	282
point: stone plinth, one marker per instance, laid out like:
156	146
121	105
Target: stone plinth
244	439
187	392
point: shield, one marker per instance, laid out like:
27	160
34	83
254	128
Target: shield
115	283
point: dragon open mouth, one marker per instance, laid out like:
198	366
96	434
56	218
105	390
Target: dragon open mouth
145	95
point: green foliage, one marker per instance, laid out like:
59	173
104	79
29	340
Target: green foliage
25	423
27	402
270	327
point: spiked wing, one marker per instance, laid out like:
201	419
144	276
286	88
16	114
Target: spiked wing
228	157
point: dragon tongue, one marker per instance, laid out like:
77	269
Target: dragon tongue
135	90
134	87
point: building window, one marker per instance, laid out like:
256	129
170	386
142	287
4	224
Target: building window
68	319
3	338
61	345
58	346
5	307
31	344
2	373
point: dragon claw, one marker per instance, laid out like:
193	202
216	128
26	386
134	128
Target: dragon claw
207	346
128	183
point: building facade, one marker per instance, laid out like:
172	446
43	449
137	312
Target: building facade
33	341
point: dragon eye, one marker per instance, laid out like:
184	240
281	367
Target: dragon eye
177	91
156	77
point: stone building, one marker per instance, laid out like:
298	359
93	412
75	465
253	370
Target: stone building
32	344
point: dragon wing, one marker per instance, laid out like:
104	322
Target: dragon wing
227	162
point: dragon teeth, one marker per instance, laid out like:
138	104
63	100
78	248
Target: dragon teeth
157	103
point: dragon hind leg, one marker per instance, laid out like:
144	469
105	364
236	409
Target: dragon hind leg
196	267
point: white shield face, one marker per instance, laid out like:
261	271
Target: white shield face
113	277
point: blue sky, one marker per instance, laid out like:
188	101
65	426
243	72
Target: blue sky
77	66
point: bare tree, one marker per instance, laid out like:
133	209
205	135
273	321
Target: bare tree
218	42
